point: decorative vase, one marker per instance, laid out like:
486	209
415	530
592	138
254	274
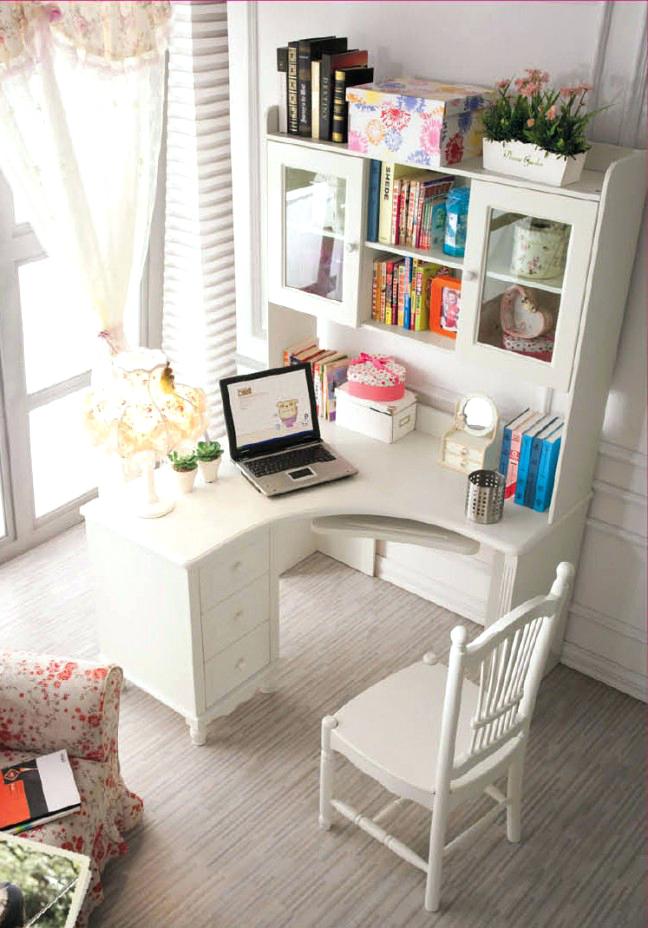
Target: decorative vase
209	470
185	480
521	159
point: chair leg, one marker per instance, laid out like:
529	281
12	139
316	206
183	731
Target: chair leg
514	796
435	857
326	773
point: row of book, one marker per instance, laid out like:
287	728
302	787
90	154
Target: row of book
318	72
406	206
529	457
329	369
401	291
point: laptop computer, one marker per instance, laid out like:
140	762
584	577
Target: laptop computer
273	431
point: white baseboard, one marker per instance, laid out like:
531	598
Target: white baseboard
447	595
605	670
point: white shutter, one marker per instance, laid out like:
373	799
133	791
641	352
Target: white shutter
199	321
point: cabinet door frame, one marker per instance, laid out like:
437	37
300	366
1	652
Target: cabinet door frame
580	215
352	171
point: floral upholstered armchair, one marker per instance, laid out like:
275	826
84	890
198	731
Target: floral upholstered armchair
47	704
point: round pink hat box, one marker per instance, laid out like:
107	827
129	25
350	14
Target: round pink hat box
376	377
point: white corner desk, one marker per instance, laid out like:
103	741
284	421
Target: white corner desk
188	604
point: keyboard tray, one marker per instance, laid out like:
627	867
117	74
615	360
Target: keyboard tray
401	531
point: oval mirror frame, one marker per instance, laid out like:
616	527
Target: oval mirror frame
479	414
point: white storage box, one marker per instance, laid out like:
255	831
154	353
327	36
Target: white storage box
385	421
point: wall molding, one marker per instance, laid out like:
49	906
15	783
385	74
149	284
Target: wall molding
610	623
625	455
616	531
605	670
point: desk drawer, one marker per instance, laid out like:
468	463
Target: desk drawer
235	616
236	664
233	567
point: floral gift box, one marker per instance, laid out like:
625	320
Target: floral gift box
411	121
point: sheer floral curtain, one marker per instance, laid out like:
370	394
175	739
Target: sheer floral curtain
81	102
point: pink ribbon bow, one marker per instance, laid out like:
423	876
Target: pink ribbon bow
379	361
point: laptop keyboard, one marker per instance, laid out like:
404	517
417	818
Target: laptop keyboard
289	459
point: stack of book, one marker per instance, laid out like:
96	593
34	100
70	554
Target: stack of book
406	206
400	291
530	449
318	72
329	369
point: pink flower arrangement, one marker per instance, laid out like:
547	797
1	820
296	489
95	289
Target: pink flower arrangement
526	109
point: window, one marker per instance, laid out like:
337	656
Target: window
47	344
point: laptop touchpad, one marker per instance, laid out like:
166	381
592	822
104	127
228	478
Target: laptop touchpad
301	474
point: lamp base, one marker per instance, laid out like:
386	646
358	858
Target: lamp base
147	510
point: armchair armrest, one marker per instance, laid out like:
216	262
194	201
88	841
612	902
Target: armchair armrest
50	703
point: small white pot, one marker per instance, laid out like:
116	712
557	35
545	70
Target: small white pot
185	480
209	470
520	159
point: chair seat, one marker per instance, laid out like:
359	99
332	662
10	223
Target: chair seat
392	730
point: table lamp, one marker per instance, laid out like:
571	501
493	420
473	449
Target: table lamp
142	414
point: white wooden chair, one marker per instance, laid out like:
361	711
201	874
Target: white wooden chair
395	732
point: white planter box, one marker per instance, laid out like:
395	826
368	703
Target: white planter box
385	421
519	159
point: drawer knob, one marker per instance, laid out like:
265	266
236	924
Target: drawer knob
238	615
236	565
240	664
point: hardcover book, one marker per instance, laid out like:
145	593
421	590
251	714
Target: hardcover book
353	58
36	791
310	50
345	77
525	456
514	451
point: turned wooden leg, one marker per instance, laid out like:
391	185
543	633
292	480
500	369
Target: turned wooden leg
326	773
435	856
514	796
197	732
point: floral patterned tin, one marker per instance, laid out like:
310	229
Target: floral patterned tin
539	248
422	122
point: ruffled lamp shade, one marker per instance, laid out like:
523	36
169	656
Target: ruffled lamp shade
142	413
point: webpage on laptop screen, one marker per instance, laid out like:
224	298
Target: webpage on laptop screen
269	408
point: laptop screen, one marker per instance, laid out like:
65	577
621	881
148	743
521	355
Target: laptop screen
269	410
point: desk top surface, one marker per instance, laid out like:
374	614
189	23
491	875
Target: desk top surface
403	479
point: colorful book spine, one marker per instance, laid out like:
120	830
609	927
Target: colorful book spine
386	202
292	105
373	205
395	212
547	471
534	459
525	458
514	453
506	440
407	301
346	77
402	284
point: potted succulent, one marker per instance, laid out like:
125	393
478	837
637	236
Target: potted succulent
537	132
185	467
208	454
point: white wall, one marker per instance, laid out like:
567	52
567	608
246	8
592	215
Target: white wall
603	43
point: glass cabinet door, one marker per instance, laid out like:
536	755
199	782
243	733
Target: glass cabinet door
525	269
314	229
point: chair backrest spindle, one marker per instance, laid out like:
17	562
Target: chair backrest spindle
509	658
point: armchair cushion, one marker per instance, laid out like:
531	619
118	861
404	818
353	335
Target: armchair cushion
49	703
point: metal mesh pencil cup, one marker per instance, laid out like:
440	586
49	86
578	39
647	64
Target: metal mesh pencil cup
485	496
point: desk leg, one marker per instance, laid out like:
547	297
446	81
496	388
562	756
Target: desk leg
197	731
269	685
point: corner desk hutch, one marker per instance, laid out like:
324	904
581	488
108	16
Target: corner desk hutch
189	604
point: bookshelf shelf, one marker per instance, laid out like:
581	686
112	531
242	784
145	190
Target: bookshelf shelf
435	256
551	285
424	337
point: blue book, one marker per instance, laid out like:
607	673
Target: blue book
547	470
506	441
407	300
536	450
525	456
373	210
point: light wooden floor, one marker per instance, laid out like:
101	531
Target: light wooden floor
230	838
